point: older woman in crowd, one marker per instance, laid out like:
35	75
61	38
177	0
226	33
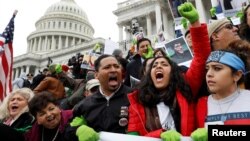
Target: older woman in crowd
15	113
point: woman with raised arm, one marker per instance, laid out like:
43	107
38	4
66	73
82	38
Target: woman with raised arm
162	105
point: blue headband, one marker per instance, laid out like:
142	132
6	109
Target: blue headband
228	59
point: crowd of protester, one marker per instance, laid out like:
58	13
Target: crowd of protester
71	103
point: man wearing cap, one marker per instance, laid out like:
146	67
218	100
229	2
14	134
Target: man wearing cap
91	87
221	33
107	109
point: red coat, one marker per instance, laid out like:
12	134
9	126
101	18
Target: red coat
137	117
194	77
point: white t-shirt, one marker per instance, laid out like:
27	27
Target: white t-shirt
165	116
234	109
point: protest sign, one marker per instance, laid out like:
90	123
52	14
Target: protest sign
107	136
179	51
110	46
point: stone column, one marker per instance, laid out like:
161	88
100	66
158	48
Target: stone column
22	70
16	73
158	17
35	44
60	42
40	43
67	41
120	32
165	20
53	43
127	35
73	41
27	69
201	9
46	44
79	41
149	25
36	71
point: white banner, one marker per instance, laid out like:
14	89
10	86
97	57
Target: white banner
110	46
107	136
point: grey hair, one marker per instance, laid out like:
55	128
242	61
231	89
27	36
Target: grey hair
24	92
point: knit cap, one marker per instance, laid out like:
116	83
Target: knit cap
216	24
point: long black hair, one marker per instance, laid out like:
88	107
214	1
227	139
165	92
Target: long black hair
244	29
150	96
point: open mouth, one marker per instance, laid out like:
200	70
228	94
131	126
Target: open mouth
159	76
113	80
14	108
50	118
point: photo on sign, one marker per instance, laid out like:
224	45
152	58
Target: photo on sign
179	51
88	60
173	4
233	4
231	7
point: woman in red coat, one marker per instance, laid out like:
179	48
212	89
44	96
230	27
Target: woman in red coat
163	100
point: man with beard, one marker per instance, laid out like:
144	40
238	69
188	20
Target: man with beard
105	110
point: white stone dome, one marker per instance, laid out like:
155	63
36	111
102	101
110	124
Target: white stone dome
68	7
63	25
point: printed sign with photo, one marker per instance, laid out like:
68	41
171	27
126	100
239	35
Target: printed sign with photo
173	4
88	60
231	7
179	51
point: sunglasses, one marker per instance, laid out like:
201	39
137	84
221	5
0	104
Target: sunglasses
227	26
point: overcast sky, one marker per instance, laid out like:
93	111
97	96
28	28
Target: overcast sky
29	11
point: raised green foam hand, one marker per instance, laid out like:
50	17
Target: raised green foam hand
200	134
78	121
85	133
184	22
149	54
240	14
171	135
212	11
188	11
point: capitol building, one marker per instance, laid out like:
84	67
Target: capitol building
65	30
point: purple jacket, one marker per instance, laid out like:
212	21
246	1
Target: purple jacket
34	133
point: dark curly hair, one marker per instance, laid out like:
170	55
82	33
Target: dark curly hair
149	95
40	101
244	30
242	49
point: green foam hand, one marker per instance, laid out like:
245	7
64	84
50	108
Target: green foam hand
97	47
240	14
212	11
78	121
58	68
85	133
149	54
200	134
171	135
184	22
188	11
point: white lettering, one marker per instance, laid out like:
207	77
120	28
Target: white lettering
215	131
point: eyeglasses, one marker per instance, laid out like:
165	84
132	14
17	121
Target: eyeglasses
227	26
